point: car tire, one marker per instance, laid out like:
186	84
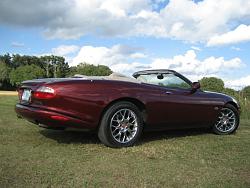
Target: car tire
228	120
121	125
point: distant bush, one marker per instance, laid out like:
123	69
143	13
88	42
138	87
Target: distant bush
212	84
27	72
90	70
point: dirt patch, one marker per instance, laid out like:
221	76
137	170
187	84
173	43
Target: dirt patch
10	93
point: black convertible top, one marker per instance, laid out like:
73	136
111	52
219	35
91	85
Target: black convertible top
154	71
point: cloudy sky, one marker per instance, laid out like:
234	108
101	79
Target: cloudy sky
196	38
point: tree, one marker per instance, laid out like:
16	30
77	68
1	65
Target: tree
212	84
55	66
230	92
6	59
4	71
26	72
246	92
90	70
18	60
4	74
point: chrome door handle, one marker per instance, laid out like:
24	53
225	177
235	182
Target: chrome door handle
168	92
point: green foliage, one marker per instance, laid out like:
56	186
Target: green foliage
55	66
4	71
230	92
12	69
90	70
212	84
6	59
26	72
4	75
246	92
18	60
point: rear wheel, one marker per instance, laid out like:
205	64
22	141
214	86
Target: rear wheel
121	125
228	120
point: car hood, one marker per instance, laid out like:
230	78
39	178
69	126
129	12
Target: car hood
225	97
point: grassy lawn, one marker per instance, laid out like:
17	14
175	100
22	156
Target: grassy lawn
34	157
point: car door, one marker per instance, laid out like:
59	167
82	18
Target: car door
179	106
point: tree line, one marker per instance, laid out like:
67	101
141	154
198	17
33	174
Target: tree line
16	68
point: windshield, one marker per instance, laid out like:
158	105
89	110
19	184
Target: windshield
166	80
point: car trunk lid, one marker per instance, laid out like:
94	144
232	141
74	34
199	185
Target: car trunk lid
28	87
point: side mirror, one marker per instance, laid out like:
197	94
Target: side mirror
195	86
160	76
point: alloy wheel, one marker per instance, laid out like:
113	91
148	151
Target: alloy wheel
226	121
124	125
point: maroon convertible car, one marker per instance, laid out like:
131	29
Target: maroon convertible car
119	108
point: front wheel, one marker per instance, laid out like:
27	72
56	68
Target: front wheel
228	120
121	125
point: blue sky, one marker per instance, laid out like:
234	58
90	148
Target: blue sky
196	38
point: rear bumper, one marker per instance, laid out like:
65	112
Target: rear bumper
49	118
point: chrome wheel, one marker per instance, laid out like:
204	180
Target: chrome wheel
226	121
124	125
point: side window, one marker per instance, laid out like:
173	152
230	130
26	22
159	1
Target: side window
171	80
167	80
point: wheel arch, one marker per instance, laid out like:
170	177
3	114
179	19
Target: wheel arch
232	103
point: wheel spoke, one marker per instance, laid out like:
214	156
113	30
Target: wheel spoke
123	137
117	134
123	125
115	130
226	120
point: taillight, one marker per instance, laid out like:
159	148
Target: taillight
44	92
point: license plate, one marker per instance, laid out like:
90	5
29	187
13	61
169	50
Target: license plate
26	95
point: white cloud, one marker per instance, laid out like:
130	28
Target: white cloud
188	64
240	34
235	48
179	19
123	59
17	44
196	48
64	50
95	55
238	83
129	68
120	59
138	55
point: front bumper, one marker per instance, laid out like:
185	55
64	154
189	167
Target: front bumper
46	117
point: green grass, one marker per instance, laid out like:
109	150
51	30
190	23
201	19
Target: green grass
34	157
